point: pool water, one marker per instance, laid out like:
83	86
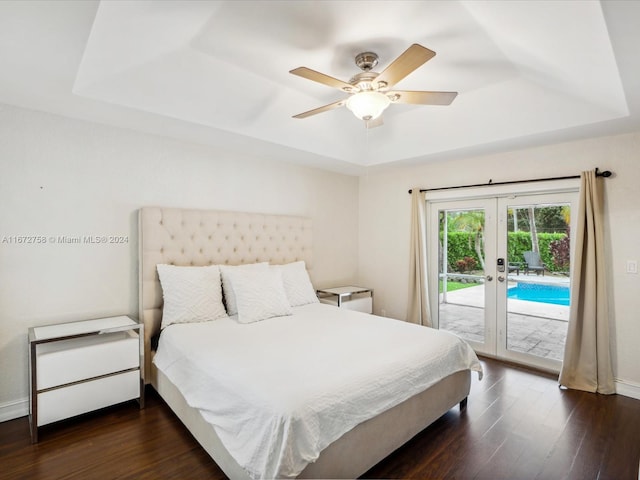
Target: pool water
534	292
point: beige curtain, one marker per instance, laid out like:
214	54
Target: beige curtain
587	357
418	311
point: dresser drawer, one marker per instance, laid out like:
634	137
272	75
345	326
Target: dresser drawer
69	361
72	400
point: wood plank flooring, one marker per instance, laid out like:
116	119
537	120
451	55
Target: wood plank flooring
518	425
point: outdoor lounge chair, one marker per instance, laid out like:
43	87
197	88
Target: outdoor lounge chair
533	263
515	267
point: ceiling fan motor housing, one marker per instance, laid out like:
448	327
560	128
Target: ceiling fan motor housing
364	81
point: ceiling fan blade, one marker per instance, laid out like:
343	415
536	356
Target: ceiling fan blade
376	122
325	108
422	98
407	62
309	74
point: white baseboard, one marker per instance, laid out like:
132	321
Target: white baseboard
628	389
11	410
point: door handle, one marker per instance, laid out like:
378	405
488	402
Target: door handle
501	278
489	278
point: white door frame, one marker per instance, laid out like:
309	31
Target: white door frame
525	193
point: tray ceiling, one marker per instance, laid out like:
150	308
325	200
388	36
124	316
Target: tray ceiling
217	72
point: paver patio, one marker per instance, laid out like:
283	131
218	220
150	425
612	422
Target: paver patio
532	327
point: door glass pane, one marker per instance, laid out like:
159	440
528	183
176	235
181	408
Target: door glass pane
461	255
538	254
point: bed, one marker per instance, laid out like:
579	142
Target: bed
203	237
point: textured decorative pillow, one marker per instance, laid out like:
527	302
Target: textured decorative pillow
297	284
191	294
259	294
229	295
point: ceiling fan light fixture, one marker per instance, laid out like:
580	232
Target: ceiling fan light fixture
368	105
370	93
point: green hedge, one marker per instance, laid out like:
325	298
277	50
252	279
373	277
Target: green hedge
461	244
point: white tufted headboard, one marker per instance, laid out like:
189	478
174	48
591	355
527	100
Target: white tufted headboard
209	237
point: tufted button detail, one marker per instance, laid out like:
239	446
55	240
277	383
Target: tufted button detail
200	250
191	263
209	237
161	222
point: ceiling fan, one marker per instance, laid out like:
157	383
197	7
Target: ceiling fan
370	93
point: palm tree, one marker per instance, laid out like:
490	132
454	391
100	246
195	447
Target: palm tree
533	230
470	221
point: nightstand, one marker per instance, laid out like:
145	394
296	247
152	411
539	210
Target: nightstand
350	297
78	367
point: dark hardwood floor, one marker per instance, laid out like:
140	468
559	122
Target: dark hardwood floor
518	425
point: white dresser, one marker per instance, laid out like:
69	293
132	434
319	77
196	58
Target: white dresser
82	366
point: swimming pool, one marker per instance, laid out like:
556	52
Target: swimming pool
534	292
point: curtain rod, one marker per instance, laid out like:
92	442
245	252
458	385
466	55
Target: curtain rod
605	174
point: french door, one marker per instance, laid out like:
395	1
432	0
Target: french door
502	267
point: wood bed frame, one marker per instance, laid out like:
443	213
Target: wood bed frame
206	237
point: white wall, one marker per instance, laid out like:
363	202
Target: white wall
65	177
385	210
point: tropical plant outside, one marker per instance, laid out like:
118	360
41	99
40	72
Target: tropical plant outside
472	223
465	237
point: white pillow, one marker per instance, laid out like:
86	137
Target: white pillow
297	284
191	294
229	295
259	294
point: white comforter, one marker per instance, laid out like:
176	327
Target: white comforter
277	392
